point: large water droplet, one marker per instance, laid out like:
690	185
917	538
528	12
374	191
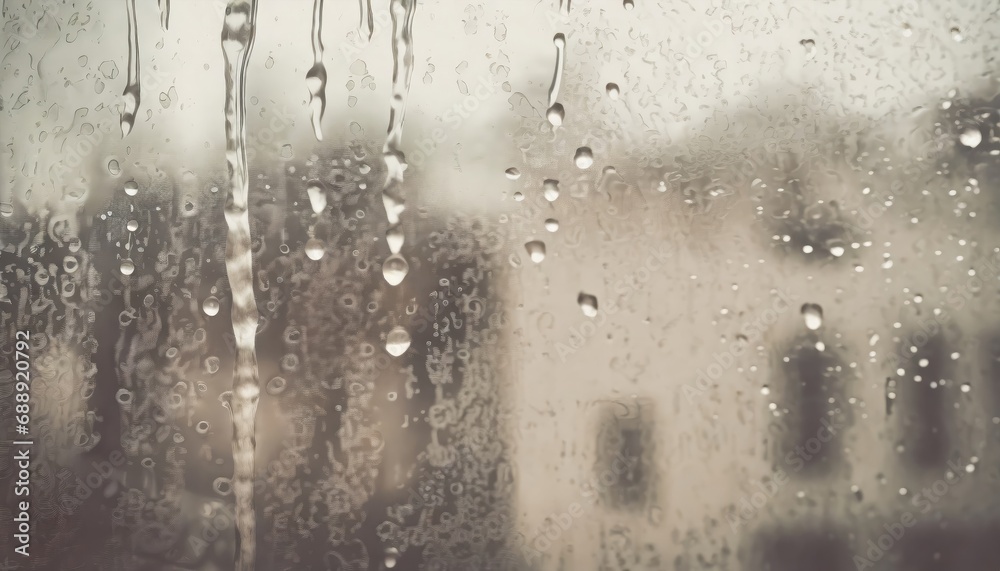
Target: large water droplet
612	90
211	306
394	269
971	137
584	158
552	225
132	225
397	341
391	556
550	190
317	196
512	173
556	114
315	249
6	209
813	315
588	304
131	188
536	250
127	267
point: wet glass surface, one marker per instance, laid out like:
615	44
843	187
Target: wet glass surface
401	284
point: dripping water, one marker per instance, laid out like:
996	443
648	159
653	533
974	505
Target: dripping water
396	267
164	13
555	110
130	96
237	42
366	17
316	77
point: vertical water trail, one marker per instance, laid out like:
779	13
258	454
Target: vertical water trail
164	13
316	76
366	17
560	42
237	42
130	97
395	267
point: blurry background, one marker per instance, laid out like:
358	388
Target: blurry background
758	331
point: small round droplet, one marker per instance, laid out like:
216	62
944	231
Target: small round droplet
391	557
628	4
536	250
584	158
276	386
397	341
394	269
813	316
114	168
512	173
550	190
132	225
315	249
127	267
612	90
556	114
6	209
552	225
588	304
131	188
211	306
971	137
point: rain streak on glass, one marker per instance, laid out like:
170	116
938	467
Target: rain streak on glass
131	95
316	76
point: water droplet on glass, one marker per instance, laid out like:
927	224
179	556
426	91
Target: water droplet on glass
810	47
114	168
612	90
552	225
6	209
132	225
315	249
556	114
276	386
391	555
550	189
397	341
512	173
395	269
813	315
131	188
211	306
584	158
971	137
628	4
588	304
317	196
126	267
536	250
